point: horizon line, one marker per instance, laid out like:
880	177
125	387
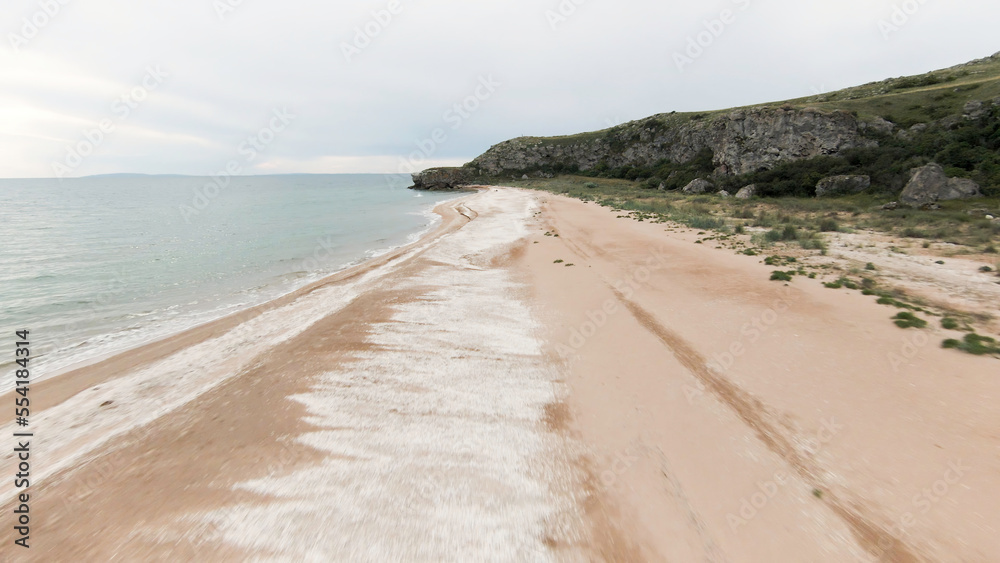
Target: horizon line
210	175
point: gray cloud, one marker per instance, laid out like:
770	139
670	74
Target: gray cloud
563	66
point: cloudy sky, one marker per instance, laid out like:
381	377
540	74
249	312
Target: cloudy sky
190	86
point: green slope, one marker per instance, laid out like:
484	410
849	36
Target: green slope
905	101
966	147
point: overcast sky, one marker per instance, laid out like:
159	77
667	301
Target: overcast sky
327	87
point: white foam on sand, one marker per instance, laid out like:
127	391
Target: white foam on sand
436	448
67	433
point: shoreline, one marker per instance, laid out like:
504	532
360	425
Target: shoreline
159	347
536	379
86	333
227	455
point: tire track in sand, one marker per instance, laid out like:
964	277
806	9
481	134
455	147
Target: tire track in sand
873	537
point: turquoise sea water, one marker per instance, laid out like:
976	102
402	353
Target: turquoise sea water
100	264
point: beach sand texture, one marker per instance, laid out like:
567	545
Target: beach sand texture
468	398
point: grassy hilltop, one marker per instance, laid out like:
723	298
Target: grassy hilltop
949	116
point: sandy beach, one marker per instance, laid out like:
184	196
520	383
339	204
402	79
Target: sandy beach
535	380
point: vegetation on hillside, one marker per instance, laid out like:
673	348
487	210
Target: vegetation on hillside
905	101
934	102
966	148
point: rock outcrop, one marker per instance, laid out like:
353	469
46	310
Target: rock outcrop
747	192
741	141
974	110
441	179
698	186
929	184
842	185
879	124
912	132
960	188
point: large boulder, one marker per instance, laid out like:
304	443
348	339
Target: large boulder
441	179
747	192
842	185
698	186
912	133
960	188
974	110
929	184
878	124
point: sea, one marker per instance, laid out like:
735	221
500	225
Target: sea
97	265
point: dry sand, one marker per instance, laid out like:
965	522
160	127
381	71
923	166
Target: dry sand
466	398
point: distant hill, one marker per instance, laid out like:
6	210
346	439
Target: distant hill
881	129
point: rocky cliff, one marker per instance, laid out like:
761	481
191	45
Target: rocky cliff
741	141
873	133
441	179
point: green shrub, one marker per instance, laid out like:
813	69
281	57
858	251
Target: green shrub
842	282
889	300
702	222
813	244
949	323
761	240
787	233
828	226
778	275
909	320
763	220
974	344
